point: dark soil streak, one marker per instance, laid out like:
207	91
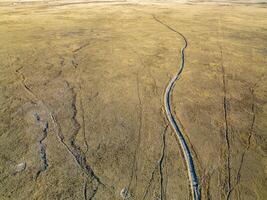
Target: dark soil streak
79	154
149	183
60	136
226	124
81	47
161	164
238	176
93	193
85	190
75	53
42	149
74	150
83	128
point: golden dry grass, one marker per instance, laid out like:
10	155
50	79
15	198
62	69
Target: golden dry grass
101	70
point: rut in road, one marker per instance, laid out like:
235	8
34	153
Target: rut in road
184	146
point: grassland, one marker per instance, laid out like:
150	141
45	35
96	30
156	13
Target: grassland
81	100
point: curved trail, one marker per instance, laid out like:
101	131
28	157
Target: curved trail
167	105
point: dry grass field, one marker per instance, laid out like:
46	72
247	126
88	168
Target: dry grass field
81	100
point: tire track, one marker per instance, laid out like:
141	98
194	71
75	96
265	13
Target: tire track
186	151
142	62
135	164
